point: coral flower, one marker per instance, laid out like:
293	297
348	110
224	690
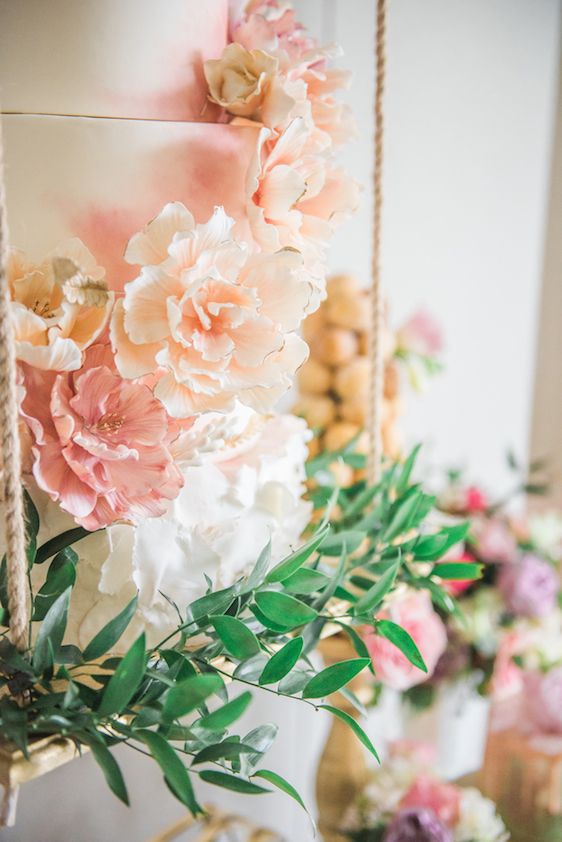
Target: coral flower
100	443
296	197
59	307
216	323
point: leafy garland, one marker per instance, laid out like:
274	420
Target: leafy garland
179	700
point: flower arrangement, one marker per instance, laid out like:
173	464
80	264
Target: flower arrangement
164	496
404	801
519	589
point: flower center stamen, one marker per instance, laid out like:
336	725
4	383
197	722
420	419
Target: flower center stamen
110	423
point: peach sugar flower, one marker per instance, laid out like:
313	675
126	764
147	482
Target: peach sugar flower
101	444
272	29
214	322
59	307
296	197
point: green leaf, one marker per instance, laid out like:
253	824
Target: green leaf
212	603
355	727
402	640
305	581
31	527
432	547
51	633
358	643
108	765
190	695
333	677
267	623
257	575
238	639
335	544
108	636
228	781
407	468
283	609
227	714
227	750
293	562
282	784
462	571
261	740
60	542
375	595
282	662
175	773
251	669
59	579
403	514
126	679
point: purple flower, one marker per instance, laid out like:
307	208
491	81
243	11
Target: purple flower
530	586
417	825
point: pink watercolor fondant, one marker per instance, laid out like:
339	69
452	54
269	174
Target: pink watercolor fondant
102	180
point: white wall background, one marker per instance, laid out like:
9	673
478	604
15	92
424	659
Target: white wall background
470	100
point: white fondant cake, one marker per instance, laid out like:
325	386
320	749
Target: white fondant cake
110	58
103	180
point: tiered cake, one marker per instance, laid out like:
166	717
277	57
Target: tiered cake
172	186
117	124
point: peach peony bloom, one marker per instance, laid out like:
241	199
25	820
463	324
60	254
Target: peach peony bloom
247	83
214	322
414	613
59	307
100	443
296	197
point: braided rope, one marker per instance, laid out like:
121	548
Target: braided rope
16	561
374	462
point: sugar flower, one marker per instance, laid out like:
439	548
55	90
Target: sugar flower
302	67
247	83
530	586
414	613
296	197
214	321
244	494
100	444
417	825
59	307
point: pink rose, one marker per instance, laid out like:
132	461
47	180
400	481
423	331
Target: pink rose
100	443
475	500
415	614
442	799
543	700
494	540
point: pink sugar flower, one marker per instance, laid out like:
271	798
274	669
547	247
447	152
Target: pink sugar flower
100	443
430	794
494	540
415	614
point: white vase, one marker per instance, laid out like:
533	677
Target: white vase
456	724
